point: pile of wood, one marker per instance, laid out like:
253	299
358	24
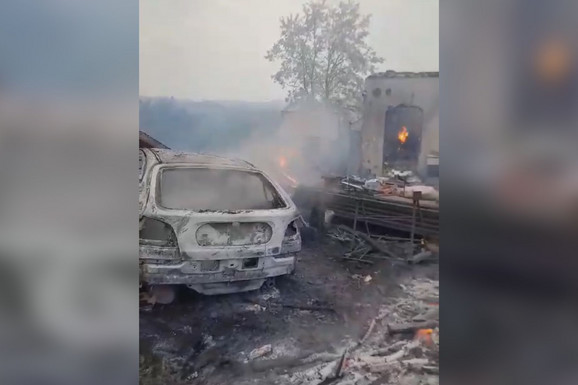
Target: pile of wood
362	248
366	249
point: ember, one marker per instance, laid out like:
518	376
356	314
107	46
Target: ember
425	336
402	135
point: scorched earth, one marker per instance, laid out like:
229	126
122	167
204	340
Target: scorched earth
332	322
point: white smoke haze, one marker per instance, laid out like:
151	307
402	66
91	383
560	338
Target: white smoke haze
214	50
311	142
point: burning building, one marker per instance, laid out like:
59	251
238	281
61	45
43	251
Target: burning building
400	122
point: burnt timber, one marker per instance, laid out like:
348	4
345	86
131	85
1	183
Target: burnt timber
389	212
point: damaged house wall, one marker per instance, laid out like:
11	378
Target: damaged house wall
391	89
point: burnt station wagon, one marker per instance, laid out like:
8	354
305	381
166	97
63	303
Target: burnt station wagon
214	224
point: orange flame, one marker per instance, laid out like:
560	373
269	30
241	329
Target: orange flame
402	135
424	335
282	162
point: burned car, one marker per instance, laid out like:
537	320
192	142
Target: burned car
214	224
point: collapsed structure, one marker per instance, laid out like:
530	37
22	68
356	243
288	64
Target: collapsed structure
393	161
400	123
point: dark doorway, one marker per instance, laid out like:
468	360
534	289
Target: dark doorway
402	135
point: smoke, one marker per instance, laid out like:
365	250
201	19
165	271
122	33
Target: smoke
304	140
312	141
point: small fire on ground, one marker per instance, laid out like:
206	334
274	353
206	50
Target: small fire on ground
402	135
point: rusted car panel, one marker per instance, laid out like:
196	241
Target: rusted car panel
212	251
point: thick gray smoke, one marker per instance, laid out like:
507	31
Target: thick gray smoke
304	140
312	141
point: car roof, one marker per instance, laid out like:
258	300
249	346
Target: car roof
172	156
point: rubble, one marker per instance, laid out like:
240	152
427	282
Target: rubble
388	205
427	192
410	327
366	360
324	325
363	248
260	352
400	183
422	256
371	326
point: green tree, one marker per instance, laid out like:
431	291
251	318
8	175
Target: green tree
323	53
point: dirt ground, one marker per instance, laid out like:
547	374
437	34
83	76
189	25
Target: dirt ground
308	319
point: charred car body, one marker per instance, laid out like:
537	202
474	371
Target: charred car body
214	224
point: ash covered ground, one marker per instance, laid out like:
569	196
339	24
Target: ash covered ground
297	331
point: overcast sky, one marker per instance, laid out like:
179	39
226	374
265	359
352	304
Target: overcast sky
214	49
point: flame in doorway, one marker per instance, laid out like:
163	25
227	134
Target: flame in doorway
402	135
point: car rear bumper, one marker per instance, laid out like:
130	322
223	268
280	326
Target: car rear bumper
229	275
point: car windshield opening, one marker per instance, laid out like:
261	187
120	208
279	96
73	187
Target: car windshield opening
205	189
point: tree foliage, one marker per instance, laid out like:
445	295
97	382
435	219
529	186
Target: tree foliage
323	53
